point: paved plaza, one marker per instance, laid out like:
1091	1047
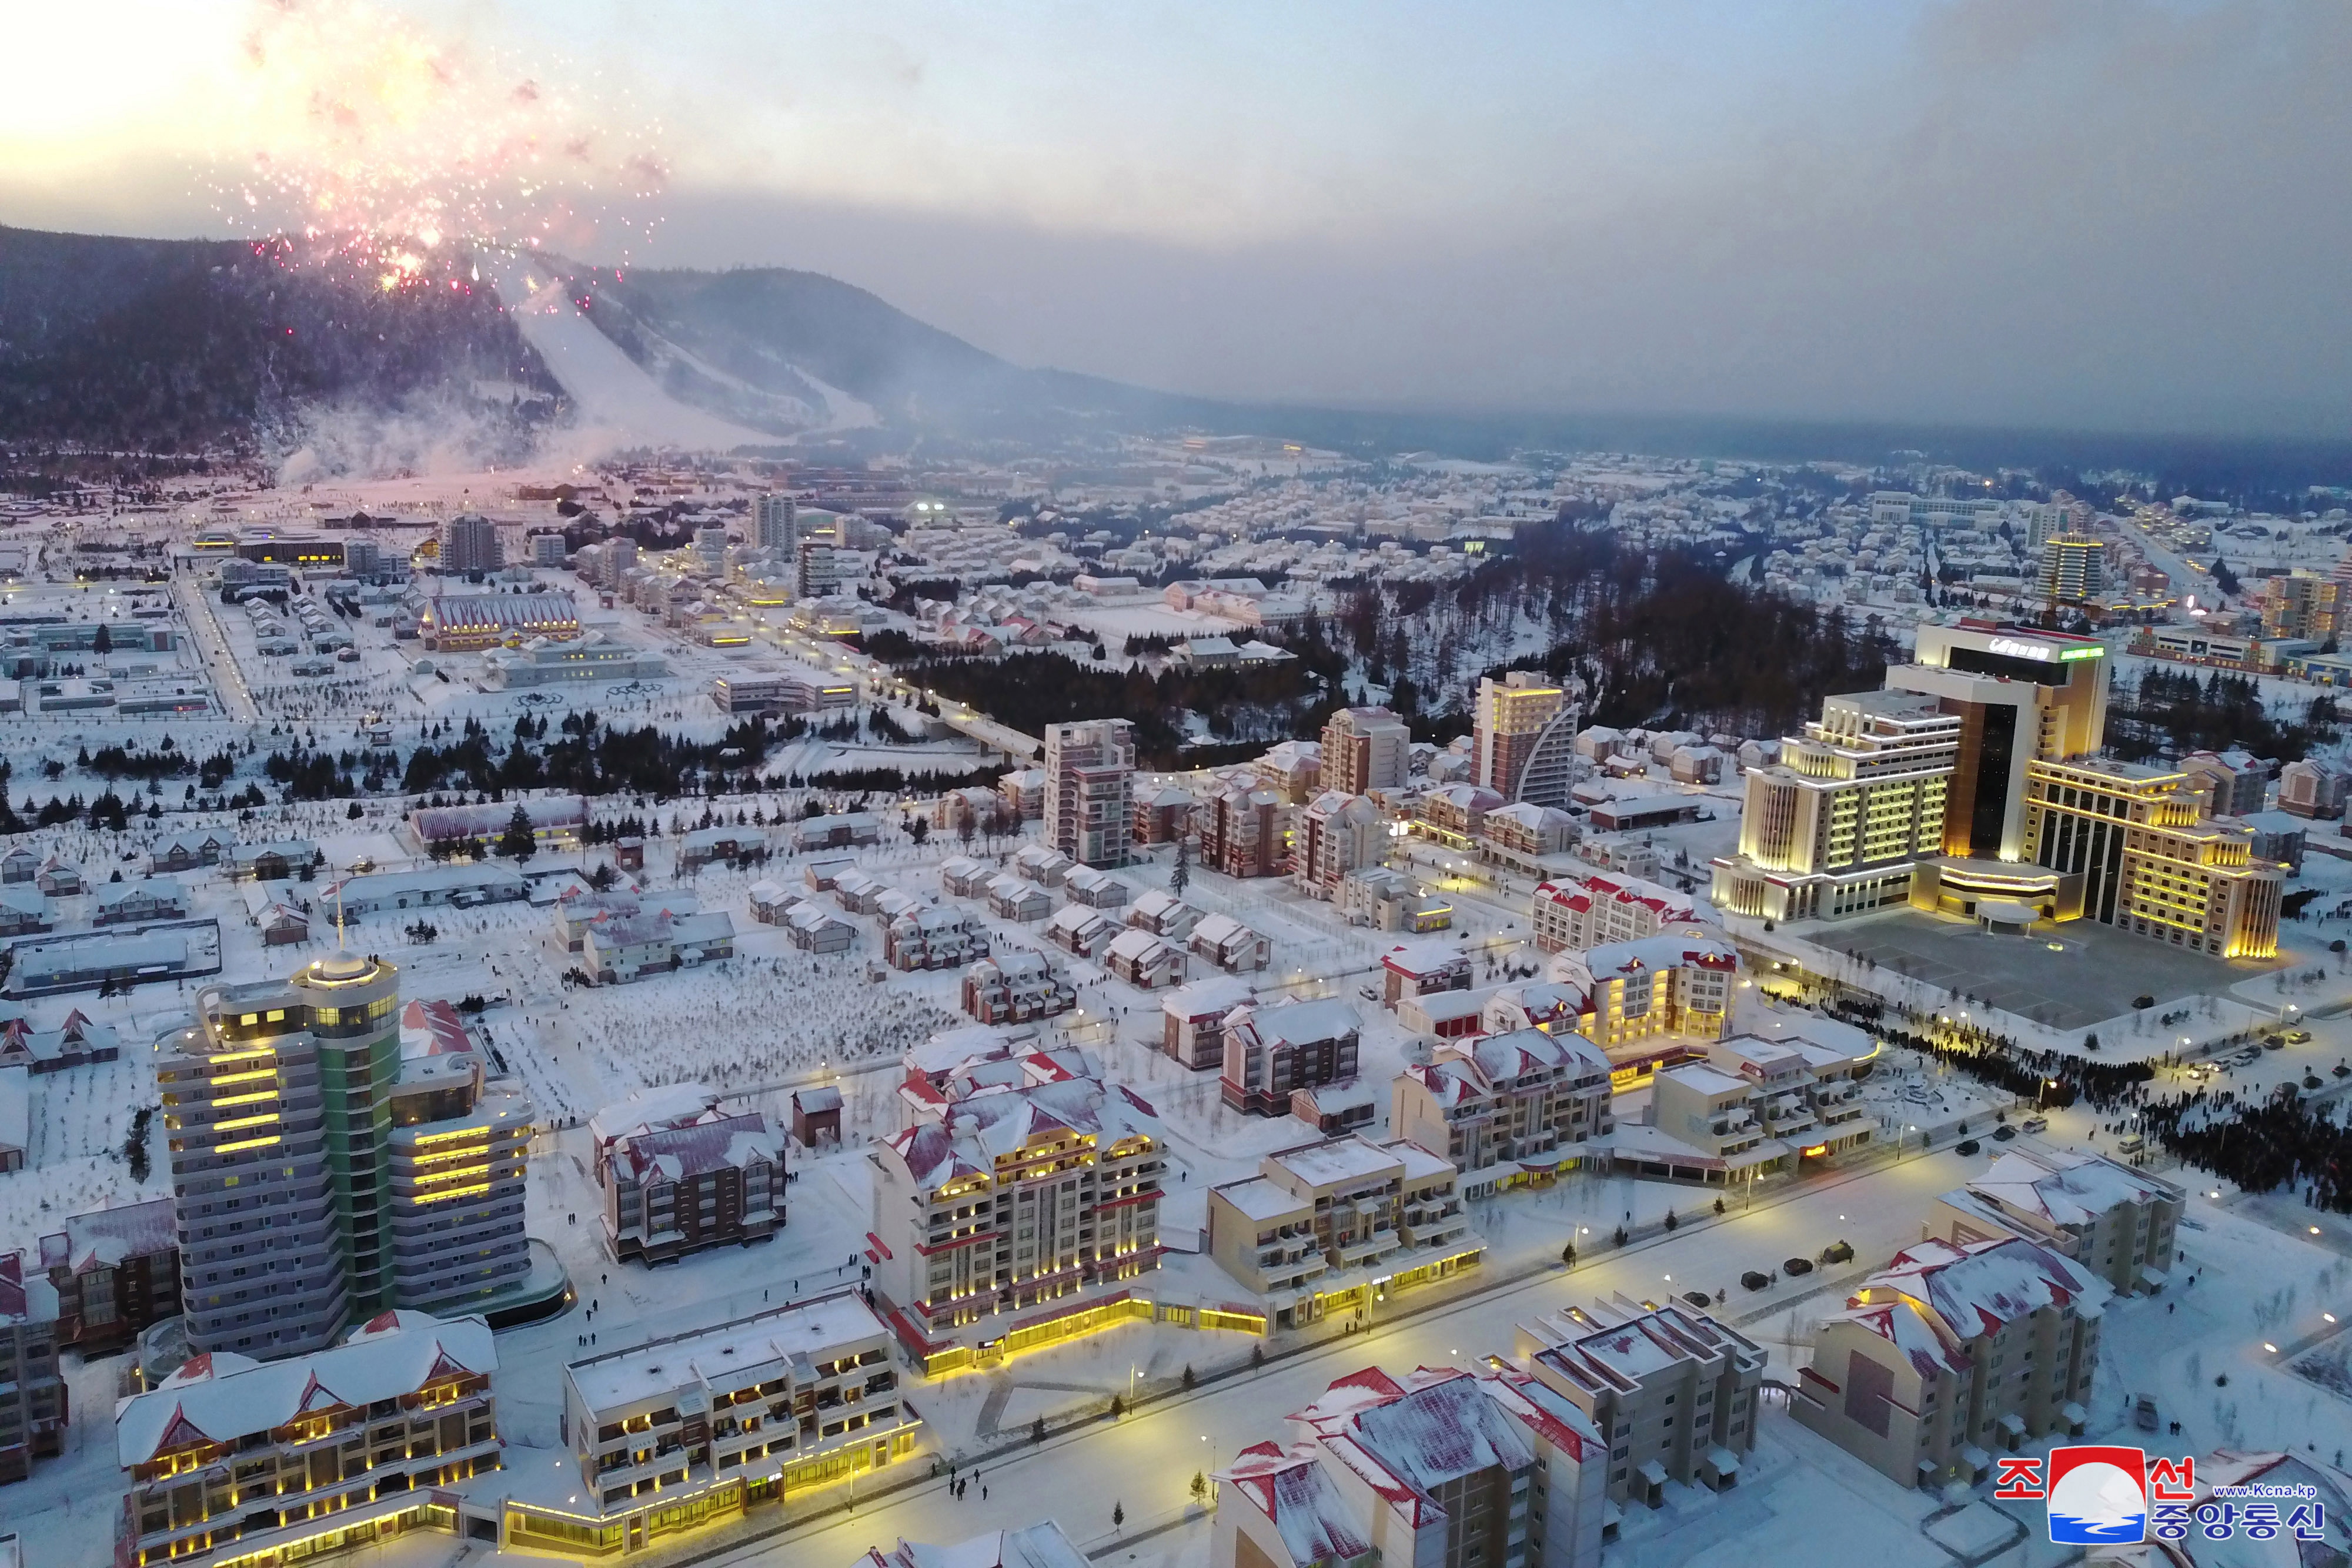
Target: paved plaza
2068	977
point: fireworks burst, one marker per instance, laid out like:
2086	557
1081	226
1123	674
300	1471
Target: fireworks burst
380	153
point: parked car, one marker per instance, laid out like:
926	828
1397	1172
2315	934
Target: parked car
1698	1298
1797	1265
2298	1037
2143	1414
2273	1042
2130	1143
1838	1251
1755	1278
2003	1132
2035	1124
1966	1146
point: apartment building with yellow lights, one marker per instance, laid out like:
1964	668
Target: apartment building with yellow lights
1011	1220
230	1461
1654	1001
333	1155
1523	738
693	1428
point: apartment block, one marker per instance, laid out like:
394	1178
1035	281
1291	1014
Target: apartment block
1339	1226
2116	1221
679	1172
470	543
115	1272
2236	783
1244	830
692	1428
1508	1109
1578	912
1336	834
2074	570
1364	749
1952	1353
1806	1095
458	1151
1272	1052
33	1404
276	1105
1016	1218
1658	997
229	1460
1674	1393
1438	1468
1192	1020
1523	738
1090	790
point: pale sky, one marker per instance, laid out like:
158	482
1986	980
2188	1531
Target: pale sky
2122	214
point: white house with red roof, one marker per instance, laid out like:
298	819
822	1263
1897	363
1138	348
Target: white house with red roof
1578	912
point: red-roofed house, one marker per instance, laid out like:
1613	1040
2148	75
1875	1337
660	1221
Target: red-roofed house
1587	912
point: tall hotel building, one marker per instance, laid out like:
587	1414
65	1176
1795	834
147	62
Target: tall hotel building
320	1178
1524	735
1972	786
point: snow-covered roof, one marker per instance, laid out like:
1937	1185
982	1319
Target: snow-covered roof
1297	1495
220	1397
1211	997
1976	1287
1683	949
1333	1160
1294	1022
1040	1545
2066	1189
105	1236
1424	958
731	1355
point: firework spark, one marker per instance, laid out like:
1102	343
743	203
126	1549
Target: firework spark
377	151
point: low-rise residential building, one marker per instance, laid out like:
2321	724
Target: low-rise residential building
1387	899
457	886
1016	986
1339	1225
624	948
150	898
34	1404
576	910
1081	931
933	937
1418	968
1192	1020
1095	888
720	846
1456	814
1015	1219
1011	898
115	1272
281	860
1141	959
1705	1127
1443	1014
1807	1082
2116	1221
24	911
678	1173
1552	1006
1674	1392
1231	945
693	1428
1593	911
1506	1108
78	1042
1953	1351
1042	864
230	1460
1332	1109
841	831
1436	1469
1163	914
1271	1051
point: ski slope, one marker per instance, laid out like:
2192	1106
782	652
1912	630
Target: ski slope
619	404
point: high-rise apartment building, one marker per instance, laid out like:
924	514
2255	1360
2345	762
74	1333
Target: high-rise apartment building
1506	1108
2074	570
470	542
1524	739
2303	605
1090	790
779	526
324	1171
618	559
1365	749
1336	834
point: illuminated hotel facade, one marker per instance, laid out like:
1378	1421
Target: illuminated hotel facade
1523	735
320	1178
1970	786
